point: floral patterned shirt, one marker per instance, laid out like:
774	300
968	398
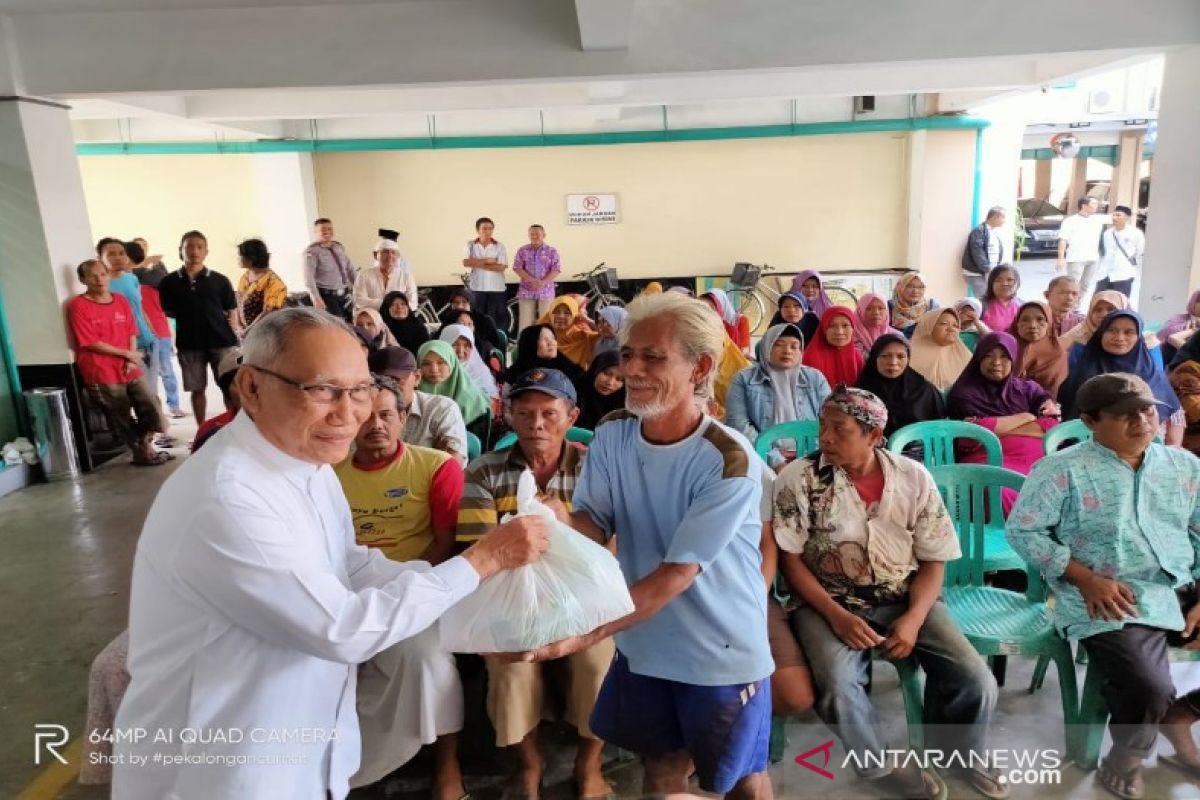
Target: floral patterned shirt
863	556
1141	528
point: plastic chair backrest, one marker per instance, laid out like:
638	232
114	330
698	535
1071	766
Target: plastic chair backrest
581	435
971	493
804	431
1074	429
474	446
937	440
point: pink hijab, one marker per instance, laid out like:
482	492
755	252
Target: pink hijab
864	335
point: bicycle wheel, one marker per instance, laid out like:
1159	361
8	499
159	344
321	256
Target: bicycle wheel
748	303
428	315
514	319
841	296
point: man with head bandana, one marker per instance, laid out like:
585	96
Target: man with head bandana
863	538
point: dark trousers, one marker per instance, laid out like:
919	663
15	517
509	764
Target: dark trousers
494	305
1124	287
338	303
1137	680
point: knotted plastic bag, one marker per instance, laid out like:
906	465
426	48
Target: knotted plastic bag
574	588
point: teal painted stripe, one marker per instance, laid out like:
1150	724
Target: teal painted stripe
977	179
547	140
10	368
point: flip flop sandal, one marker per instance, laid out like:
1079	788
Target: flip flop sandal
932	787
1128	786
986	782
178	413
1178	763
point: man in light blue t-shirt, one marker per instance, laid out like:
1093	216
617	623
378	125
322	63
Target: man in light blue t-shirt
681	491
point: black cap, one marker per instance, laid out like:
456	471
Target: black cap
385	233
392	361
1114	392
547	381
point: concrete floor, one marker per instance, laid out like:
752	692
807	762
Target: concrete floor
66	552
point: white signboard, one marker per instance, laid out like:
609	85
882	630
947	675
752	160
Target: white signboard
591	209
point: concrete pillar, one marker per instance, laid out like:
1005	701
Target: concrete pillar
1078	186
287	196
1043	178
44	234
1124	191
1000	164
1173	224
941	166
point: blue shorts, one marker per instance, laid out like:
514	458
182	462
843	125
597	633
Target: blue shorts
725	729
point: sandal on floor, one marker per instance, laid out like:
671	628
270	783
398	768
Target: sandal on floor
178	413
1192	770
158	459
1128	786
985	781
905	784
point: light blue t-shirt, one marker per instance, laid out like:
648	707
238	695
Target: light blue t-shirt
693	502
130	288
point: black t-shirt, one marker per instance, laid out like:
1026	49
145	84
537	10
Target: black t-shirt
200	309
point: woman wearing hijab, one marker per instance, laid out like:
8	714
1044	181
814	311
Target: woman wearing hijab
443	375
832	350
608	322
1185	380
462	340
794	310
1041	356
1000	302
870	322
971	329
576	339
1017	410
779	388
602	390
909	303
653	287
1118	346
737	327
1101	305
463	299
372	330
938	354
537	348
409	331
1180	327
811	285
888	374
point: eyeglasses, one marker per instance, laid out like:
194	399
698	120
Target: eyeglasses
325	393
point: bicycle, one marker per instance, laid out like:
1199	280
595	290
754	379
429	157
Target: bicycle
602	283
430	315
754	299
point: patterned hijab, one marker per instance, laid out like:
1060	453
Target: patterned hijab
904	314
459	387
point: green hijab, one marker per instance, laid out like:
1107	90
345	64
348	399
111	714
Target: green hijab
459	387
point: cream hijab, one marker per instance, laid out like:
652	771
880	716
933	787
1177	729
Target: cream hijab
939	364
1084	330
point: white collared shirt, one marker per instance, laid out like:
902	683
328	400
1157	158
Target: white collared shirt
437	422
1122	262
251	609
370	287
483	280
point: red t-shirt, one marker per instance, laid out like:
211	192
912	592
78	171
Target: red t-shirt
111	323
152	308
869	487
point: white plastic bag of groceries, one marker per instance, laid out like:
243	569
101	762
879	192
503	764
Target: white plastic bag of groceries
574	588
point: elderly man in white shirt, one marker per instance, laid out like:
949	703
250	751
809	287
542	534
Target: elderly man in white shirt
391	273
252	606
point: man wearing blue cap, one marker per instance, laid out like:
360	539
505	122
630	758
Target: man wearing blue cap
542	408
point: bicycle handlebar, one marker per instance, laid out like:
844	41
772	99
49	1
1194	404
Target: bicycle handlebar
591	271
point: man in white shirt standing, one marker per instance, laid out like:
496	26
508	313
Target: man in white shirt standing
1121	249
1079	245
252	606
488	259
391	273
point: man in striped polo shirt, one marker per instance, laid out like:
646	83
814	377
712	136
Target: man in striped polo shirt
542	409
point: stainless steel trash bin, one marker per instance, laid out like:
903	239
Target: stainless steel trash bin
52	435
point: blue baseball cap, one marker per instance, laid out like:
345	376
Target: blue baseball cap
547	381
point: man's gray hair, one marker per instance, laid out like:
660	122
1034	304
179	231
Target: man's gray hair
389	384
994	210
268	338
698	330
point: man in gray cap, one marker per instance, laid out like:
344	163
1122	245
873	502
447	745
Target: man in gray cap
1114	525
433	421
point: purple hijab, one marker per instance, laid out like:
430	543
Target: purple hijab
822	302
973	395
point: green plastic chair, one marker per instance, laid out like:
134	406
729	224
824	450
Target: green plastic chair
804	431
474	446
937	440
581	435
999	622
1073	429
1093	712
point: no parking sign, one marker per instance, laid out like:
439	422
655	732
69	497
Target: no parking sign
591	209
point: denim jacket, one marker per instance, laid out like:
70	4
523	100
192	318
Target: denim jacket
750	402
